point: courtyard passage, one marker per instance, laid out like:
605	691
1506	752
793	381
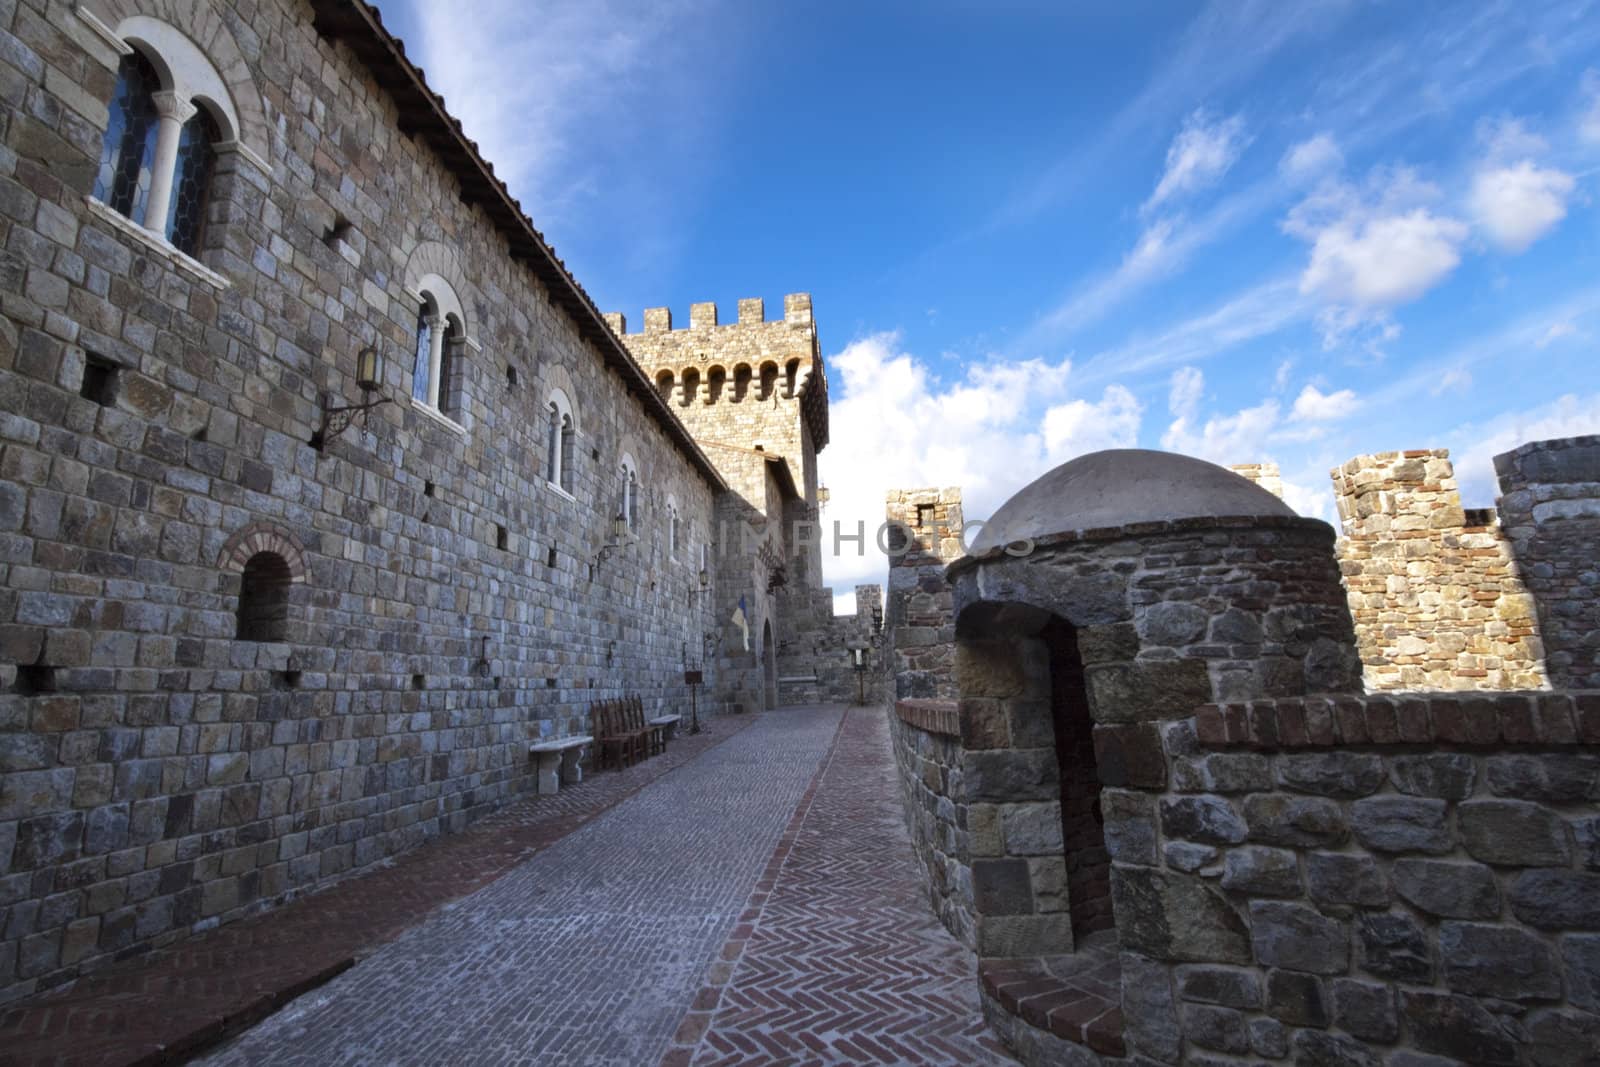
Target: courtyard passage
758	905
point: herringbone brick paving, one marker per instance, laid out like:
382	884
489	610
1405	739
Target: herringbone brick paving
166	1004
588	952
837	957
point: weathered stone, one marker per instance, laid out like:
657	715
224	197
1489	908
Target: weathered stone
1001	887
1581	955
1448	776
1315	1049
1553	778
1176	917
1130	754
1172	624
47	839
1557	900
1297	938
1401	824
1150	1014
1513	833
1228	986
1586	832
1365	1009
1343	878
1498	961
1459	1026
1157	689
1130	826
1215	1028
1269	1038
1271	872
1449	890
1563	1039
1187	856
1296	999
1011	776
1209	820
1032	829
1296	822
1345	775
1394	946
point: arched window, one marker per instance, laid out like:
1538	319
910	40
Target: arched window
674	528
664	384
436	376
559	441
191	183
628	506
264	598
129	146
158	153
691	385
791	377
741	382
769	379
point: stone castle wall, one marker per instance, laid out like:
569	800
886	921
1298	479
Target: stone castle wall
156	773
1550	516
928	755
924	535
1437	595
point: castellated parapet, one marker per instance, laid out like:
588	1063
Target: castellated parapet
1550	518
1435	592
924	528
1266	475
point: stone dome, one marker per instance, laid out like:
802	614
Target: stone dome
1121	486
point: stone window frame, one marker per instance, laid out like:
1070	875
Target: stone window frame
190	82
256	538
628	469
674	527
560	441
448	343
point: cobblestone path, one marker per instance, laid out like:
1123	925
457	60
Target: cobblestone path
839	958
772	875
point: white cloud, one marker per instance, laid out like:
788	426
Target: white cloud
532	81
1519	203
1311	159
1225	439
1508	138
1383	260
1280	380
1313	405
1199	155
1558	331
1081	426
991	432
1474	447
1456	379
1589	120
1188	387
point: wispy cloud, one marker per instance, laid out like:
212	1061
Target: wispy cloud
1199	156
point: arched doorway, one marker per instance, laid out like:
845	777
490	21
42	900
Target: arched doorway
769	665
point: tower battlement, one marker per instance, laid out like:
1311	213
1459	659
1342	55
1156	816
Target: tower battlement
752	311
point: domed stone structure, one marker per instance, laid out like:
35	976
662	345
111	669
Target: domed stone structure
1121	486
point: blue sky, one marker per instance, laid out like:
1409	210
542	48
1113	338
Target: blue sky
1248	231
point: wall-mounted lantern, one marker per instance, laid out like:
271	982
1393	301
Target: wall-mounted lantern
336	419
619	531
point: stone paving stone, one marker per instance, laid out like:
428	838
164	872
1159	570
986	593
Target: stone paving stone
837	957
172	1002
588	952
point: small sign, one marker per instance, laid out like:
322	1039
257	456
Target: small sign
692	678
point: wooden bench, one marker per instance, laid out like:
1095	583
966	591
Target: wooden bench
558	761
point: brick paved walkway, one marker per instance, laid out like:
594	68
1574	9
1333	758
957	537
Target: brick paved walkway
838	957
587	953
164	1005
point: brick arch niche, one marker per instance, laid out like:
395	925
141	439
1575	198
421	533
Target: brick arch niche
269	562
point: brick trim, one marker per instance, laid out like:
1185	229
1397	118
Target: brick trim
932	716
1529	718
263	537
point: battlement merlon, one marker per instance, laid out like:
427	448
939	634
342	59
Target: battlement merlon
790	344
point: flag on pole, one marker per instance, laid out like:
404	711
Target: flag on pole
742	621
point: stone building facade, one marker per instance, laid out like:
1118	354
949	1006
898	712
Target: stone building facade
1293	870
251	642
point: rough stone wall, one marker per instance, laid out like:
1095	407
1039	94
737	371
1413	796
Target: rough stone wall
1550	514
818	647
1163	616
924	534
156	773
1323	880
1437	603
928	754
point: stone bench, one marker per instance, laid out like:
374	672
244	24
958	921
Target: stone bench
668	723
558	761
